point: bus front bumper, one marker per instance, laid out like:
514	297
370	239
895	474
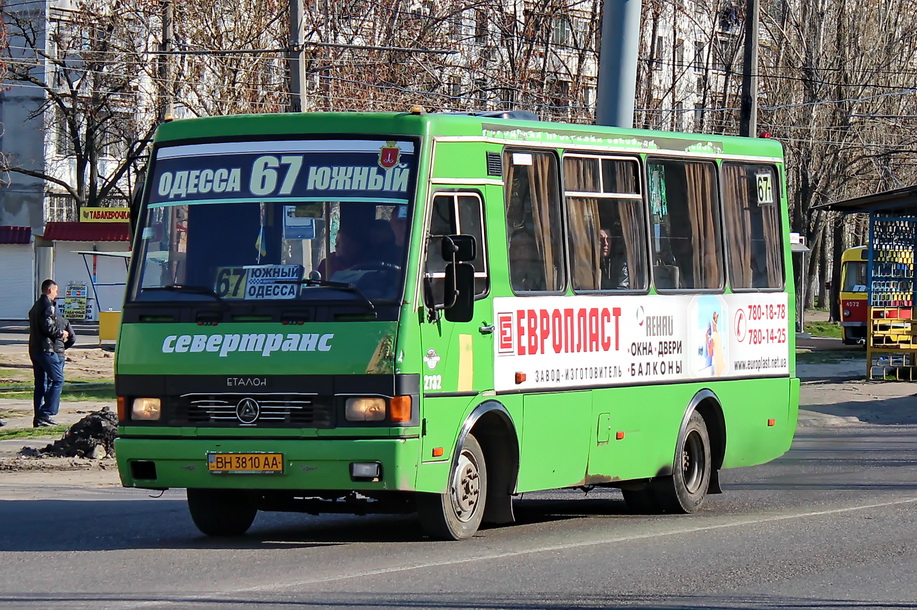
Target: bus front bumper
303	464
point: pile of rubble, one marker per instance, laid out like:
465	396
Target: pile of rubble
92	437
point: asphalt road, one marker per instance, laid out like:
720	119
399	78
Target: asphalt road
829	525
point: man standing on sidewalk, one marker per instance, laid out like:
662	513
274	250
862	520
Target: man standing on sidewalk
45	329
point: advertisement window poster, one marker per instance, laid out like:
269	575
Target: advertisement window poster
76	301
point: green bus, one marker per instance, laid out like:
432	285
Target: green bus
434	313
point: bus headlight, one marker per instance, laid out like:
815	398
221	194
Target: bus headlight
148	409
365	409
846	313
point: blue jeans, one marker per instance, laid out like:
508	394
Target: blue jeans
48	368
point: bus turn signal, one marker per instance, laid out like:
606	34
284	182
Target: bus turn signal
400	409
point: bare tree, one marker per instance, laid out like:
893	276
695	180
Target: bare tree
89	73
453	55
230	56
4	53
387	54
835	75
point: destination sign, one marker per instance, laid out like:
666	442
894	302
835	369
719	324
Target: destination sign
285	170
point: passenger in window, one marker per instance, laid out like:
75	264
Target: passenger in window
613	261
349	250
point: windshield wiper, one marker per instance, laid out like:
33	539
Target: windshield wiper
187	288
329	284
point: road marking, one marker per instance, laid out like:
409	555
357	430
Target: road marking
528	551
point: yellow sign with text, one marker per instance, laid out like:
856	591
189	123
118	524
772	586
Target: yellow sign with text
105	215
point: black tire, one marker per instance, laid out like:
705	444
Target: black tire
221	512
457	514
686	490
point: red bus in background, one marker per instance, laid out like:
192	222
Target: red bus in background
853	293
854	296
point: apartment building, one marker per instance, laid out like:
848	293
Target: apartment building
60	146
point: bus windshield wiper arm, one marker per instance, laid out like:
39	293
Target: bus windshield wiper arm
329	284
188	288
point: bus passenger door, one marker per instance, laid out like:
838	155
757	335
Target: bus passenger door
457	356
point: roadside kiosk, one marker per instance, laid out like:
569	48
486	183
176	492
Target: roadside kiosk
891	329
109	319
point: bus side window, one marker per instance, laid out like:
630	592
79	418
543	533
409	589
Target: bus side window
606	223
751	202
471	222
456	213
533	222
685	224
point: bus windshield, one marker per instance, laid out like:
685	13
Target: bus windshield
855	276
282	222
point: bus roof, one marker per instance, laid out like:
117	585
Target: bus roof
856	253
463	126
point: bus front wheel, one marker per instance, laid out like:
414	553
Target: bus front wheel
221	512
457	514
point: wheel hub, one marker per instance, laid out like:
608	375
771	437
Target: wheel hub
466	488
692	462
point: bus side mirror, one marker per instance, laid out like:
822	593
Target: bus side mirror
459	248
457	285
460	278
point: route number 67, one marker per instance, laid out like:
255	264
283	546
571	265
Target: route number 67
765	186
265	171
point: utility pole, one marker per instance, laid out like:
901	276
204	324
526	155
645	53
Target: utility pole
296	65
748	123
165	110
98	47
614	103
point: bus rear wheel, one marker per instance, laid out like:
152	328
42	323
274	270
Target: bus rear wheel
457	514
686	489
221	512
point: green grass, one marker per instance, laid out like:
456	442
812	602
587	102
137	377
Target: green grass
56	431
823	329
15	376
94	392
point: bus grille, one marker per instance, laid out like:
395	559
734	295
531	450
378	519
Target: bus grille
274	410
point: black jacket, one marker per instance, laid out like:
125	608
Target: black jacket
61	344
44	326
